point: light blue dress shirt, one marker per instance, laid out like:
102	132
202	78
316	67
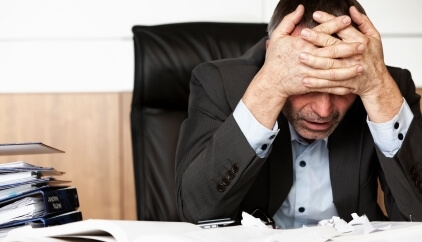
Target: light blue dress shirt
310	198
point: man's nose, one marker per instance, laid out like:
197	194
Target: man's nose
322	104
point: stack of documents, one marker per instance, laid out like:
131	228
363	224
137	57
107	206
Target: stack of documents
16	175
31	194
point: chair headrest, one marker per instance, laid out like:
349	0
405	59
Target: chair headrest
165	56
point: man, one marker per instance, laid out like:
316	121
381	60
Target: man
303	125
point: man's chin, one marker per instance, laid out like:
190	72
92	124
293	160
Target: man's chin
314	135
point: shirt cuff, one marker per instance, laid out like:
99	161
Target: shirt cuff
389	136
259	137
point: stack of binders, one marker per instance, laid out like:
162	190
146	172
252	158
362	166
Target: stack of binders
32	195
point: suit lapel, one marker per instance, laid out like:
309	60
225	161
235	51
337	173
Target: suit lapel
281	167
344	154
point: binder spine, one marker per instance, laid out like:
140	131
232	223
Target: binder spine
58	220
60	200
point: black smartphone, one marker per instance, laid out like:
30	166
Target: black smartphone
214	223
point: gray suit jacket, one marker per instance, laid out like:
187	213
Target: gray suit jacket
219	175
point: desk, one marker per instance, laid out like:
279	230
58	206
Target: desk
136	231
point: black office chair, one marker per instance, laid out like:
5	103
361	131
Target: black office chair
164	58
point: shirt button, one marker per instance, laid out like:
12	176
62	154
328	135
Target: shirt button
401	136
302	163
272	136
264	147
301	209
396	125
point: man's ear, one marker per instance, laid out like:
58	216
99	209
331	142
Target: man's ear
266	43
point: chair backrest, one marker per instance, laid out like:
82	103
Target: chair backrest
164	58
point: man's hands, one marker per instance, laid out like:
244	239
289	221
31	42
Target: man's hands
302	60
375	86
284	71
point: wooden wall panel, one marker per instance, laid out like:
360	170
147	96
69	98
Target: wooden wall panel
128	190
86	127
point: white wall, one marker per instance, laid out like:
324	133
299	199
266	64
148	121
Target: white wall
86	45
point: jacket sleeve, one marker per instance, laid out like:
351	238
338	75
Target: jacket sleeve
215	165
401	177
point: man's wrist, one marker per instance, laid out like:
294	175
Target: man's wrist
259	137
383	103
389	136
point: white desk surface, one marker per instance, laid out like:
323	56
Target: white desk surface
136	231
